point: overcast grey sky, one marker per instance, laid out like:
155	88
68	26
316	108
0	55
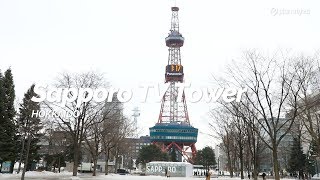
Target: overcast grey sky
125	40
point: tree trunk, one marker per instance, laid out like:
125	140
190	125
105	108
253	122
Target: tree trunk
255	158
21	153
106	168
12	165
115	164
275	163
255	167
94	173
59	166
75	159
230	165
227	145
27	158
235	168
241	161
240	154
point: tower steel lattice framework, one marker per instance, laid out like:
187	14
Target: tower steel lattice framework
173	129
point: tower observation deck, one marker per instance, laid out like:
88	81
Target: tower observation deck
173	131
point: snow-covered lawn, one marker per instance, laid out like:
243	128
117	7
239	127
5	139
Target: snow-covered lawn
129	177
68	176
36	175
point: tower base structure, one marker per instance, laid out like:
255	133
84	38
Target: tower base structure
181	137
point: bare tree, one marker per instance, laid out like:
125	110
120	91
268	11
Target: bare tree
281	95
93	140
235	125
273	94
116	127
308	72
222	128
254	145
107	131
87	112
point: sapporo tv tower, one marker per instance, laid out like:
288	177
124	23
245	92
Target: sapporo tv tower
173	131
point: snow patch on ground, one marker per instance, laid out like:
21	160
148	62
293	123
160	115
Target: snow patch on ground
34	174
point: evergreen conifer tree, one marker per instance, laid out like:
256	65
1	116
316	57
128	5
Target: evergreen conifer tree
297	159
7	121
30	126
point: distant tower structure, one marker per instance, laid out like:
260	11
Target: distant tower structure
136	114
173	130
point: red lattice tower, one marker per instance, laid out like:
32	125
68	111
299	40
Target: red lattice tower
173	129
